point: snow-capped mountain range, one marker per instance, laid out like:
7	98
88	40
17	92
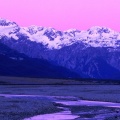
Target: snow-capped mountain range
54	39
92	53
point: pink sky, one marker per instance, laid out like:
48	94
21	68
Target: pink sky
63	14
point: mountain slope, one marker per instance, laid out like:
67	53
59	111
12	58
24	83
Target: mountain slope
13	63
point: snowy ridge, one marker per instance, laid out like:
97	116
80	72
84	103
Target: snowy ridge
8	28
54	39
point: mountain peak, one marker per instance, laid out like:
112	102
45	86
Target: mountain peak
72	30
5	22
8	28
99	29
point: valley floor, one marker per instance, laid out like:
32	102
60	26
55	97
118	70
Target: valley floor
20	102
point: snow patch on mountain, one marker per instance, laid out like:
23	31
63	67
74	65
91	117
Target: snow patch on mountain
8	28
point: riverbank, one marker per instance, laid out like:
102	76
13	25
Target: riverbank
18	108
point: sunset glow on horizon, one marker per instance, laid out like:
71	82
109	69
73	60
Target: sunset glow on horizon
63	14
